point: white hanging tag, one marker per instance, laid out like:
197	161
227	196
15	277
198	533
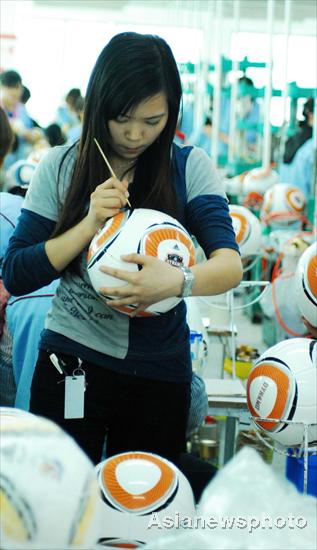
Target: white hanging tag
75	386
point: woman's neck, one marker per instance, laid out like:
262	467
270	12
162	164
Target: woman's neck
122	166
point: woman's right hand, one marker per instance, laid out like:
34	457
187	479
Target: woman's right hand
106	201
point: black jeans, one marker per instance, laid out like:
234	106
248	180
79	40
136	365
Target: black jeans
136	414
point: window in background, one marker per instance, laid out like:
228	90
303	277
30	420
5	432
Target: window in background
302	63
56	54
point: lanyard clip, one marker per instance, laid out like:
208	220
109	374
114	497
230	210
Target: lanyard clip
57	363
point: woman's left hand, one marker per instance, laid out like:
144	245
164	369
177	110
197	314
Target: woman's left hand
156	281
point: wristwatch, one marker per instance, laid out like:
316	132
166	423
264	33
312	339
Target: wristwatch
189	279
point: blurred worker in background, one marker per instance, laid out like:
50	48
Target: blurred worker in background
248	111
6	143
67	114
297	166
26	95
25	133
10	205
203	139
54	135
74	132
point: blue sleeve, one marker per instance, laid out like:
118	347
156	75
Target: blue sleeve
209	221
26	266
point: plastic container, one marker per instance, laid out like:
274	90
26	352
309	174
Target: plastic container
197	350
243	368
295	473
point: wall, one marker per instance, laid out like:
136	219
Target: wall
58	42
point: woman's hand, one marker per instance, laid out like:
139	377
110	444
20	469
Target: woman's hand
106	201
156	281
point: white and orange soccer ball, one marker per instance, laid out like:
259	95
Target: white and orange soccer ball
139	490
259	180
281	386
283	205
306	284
49	494
248	230
142	231
8	414
233	186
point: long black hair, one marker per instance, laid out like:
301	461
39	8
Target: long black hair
130	69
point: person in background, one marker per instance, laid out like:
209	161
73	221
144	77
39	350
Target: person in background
25	318
9	213
186	122
26	95
54	135
6	143
304	133
23	127
203	139
74	132
131	108
248	111
9	209
67	116
21	319
297	166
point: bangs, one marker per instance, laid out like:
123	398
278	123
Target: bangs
126	96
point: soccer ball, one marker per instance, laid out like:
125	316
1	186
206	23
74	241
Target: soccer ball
248	230
233	186
20	173
142	231
253	200
139	490
306	284
259	180
48	490
11	413
283	205
282	385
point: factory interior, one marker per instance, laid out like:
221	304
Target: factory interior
158	274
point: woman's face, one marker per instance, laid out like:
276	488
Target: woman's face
136	130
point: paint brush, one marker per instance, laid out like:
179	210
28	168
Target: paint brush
108	164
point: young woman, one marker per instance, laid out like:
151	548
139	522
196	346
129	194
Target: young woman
138	369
